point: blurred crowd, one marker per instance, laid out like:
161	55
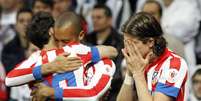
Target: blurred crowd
180	20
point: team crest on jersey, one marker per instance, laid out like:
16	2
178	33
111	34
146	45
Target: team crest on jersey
154	77
89	75
172	73
108	69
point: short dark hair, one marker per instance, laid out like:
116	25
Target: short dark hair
197	72
72	17
107	10
24	10
145	26
49	3
158	4
83	23
38	30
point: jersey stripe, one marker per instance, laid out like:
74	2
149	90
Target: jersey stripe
88	92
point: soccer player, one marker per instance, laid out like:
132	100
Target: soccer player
158	74
32	69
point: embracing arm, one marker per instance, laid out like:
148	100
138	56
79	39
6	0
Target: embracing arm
22	73
27	71
107	51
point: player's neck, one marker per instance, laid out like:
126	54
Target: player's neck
153	58
50	45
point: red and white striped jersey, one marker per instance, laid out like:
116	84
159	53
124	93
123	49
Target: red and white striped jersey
77	84
168	75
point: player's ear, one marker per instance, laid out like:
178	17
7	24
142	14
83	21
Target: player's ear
81	35
51	31
150	42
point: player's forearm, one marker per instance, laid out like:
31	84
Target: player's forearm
141	87
126	93
22	76
18	80
47	69
19	75
23	72
107	51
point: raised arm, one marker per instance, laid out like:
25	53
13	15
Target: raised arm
127	93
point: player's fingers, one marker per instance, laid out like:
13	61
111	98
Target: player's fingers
68	63
33	98
125	53
36	84
73	58
131	49
73	62
136	50
74	66
68	68
41	85
127	45
41	98
65	54
33	92
148	56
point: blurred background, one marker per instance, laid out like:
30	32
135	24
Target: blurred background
180	20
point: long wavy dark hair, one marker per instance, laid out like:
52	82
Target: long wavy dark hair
144	26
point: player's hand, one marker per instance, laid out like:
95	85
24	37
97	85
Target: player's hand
63	63
38	98
135	62
42	92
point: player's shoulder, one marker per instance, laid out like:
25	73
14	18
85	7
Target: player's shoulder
80	45
77	48
177	58
176	62
35	54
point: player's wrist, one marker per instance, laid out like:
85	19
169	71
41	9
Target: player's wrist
58	94
47	69
138	76
51	93
128	79
95	54
37	73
